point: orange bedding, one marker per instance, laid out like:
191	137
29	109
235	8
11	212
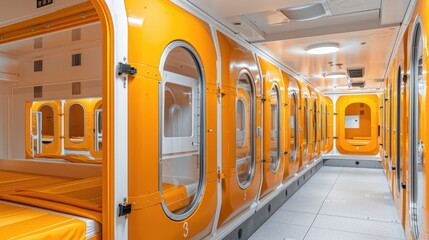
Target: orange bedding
79	197
11	181
29	224
175	196
358	142
76	158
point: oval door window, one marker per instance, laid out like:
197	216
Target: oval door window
322	136
76	123
182	165
98	120
293	125
315	125
358	124
274	128
306	125
48	124
326	125
418	89
390	127
398	130
244	138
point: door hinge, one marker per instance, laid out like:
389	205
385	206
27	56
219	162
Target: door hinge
221	92
124	208
335	114
221	175
124	68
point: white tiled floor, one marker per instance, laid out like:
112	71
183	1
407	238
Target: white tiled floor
335	204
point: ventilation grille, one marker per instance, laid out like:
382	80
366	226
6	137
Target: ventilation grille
362	112
76	34
358	84
305	12
356	72
38	65
38	43
42	3
38	91
76	88
76	59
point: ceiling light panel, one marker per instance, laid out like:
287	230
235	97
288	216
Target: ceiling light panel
323	48
335	75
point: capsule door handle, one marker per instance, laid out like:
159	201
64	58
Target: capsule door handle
420	148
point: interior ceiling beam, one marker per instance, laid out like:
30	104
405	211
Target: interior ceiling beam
74	16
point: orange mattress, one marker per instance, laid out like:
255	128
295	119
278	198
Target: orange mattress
175	196
23	223
79	197
358	142
76	158
12	181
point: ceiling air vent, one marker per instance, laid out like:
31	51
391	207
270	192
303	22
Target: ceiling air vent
360	84
38	65
76	88
355	72
38	91
379	80
76	59
38	43
76	34
42	3
305	12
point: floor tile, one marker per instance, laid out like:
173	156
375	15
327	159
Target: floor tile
375	208
377	228
308	199
279	231
327	234
296	218
337	203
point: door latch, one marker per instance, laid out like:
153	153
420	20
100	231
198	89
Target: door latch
420	148
127	69
124	208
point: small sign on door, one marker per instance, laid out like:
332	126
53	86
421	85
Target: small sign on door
352	121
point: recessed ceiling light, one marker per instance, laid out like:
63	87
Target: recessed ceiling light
335	75
323	48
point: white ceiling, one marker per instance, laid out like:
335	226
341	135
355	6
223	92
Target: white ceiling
366	31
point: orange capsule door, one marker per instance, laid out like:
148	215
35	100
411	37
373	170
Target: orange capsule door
241	146
79	125
273	128
173	133
292	128
305	122
329	107
43	128
417	182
